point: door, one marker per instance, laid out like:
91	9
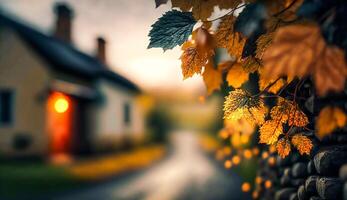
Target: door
59	122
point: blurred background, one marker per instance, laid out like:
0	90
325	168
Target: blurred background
88	112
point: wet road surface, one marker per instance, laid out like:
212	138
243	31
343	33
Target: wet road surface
187	174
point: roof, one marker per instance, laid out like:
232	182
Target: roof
63	56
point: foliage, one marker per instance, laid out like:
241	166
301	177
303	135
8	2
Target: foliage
289	45
172	29
329	119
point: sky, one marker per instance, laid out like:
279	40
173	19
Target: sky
125	25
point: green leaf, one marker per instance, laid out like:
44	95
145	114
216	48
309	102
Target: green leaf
172	29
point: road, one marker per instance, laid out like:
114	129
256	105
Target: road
187	174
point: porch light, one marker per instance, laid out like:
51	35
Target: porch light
61	105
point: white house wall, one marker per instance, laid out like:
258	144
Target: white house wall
22	70
110	129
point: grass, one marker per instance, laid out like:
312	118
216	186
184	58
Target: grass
22	179
32	178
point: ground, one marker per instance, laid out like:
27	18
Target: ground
187	173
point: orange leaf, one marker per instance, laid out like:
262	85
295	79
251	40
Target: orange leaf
192	60
302	143
283	147
237	75
212	78
329	119
270	131
300	50
264	81
297	117
203	9
227	38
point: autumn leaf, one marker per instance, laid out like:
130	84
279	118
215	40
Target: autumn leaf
270	131
265	81
172	29
241	105
281	111
212	78
227	38
300	50
297	117
203	9
302	143
237	75
192	60
283	147
204	41
263	42
329	119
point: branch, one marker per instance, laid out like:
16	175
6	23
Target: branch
267	88
285	9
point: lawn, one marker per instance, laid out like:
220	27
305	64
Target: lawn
33	178
20	179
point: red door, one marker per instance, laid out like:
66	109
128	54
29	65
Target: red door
59	123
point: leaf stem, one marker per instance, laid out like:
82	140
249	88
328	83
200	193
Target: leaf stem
230	12
285	9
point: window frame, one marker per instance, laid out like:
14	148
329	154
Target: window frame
12	100
127	113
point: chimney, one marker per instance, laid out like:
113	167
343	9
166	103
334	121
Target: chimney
101	49
64	15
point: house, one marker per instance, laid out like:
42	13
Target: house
55	99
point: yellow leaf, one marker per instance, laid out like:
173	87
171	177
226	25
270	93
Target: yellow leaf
297	117
212	78
192	60
329	119
241	105
283	147
300	50
270	131
227	38
302	143
237	76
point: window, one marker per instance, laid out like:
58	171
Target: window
6	107
127	113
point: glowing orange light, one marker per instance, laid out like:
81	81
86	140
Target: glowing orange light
272	161
247	154
227	164
255	151
246	187
61	105
255	195
265	155
236	160
227	151
268	184
258	180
